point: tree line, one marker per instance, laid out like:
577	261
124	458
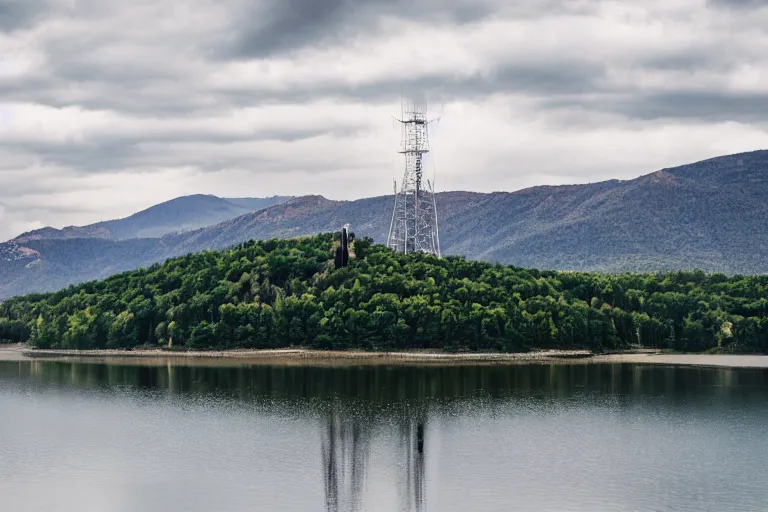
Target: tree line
279	293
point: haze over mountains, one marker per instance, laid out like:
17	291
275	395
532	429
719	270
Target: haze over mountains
711	215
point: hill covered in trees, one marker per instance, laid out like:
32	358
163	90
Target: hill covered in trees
711	215
280	293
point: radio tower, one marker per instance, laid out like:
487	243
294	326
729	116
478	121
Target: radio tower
414	218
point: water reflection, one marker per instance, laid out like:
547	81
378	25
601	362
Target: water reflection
525	429
382	386
345	451
412	494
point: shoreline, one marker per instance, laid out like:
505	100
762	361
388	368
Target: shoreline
308	357
292	356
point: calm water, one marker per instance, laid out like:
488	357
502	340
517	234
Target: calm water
97	437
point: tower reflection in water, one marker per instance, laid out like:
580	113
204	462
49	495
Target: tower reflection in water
346	454
412	446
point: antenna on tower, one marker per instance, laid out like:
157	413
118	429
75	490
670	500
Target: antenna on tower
414	218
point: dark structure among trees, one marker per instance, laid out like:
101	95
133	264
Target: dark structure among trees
341	257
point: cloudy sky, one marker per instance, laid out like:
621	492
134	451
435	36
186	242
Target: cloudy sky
109	107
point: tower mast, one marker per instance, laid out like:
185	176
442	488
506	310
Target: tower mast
414	218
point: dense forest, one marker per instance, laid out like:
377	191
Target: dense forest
280	293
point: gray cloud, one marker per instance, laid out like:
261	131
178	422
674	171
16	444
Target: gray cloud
134	151
737	4
19	14
287	96
683	105
150	78
282	25
143	95
278	26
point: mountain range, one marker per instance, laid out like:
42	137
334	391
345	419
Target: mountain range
180	214
710	215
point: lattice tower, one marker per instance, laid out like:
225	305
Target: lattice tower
414	218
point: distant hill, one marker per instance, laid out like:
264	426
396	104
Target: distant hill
711	215
182	213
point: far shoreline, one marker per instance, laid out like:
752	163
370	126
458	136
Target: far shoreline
309	357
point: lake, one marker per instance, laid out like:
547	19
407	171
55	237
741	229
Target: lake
582	437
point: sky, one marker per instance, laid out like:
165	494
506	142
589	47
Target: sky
107	108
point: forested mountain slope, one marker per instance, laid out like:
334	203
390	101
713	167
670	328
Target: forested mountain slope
710	215
281	293
182	213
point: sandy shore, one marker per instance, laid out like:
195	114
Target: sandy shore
287	357
713	360
12	353
341	358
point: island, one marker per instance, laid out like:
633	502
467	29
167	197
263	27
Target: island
281	294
